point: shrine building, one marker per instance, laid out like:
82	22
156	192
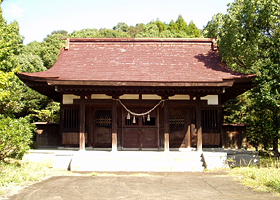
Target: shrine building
140	93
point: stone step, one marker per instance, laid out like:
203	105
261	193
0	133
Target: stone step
174	160
137	161
215	160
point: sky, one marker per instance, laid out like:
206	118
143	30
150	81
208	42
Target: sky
37	18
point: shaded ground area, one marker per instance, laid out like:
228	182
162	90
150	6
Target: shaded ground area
210	185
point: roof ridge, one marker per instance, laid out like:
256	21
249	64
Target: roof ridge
203	40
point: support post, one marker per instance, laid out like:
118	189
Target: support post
114	126
82	123
166	125
60	138
188	134
198	124
89	120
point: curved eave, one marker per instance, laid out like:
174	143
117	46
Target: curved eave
240	86
46	85
242	78
40	85
35	76
227	83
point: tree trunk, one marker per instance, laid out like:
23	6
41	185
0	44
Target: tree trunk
276	136
275	145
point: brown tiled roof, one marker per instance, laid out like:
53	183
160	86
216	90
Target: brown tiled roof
129	61
125	64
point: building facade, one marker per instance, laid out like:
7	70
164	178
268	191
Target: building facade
140	93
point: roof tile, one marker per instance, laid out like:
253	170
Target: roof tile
158	60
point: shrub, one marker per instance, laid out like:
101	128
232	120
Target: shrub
15	137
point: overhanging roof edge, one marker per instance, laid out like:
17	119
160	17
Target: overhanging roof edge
227	83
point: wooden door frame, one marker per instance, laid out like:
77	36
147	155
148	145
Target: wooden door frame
92	121
157	126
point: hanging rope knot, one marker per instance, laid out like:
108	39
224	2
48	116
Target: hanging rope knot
139	114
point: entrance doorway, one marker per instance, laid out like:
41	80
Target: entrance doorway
102	129
140	132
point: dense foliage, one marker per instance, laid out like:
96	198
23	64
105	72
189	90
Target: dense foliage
177	29
18	103
249	42
15	137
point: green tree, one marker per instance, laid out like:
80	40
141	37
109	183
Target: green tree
15	137
33	48
15	134
51	113
161	26
193	30
50	49
182	25
4	84
109	33
17	100
150	30
85	33
61	32
213	27
181	29
173	26
11	43
21	99
249	42
121	27
168	34
31	63
134	30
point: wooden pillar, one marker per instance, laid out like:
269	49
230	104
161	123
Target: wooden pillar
114	126
220	125
198	124
90	121
166	125
60	139
188	134
82	123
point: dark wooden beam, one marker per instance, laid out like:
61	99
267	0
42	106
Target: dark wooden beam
119	90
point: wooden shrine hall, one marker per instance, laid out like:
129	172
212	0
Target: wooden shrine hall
140	93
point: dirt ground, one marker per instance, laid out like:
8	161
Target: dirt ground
200	185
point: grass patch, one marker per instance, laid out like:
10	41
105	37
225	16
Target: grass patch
265	177
270	162
17	174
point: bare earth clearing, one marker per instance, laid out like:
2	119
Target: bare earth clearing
205	185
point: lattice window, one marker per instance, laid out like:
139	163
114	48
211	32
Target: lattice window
103	118
210	119
71	118
177	121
